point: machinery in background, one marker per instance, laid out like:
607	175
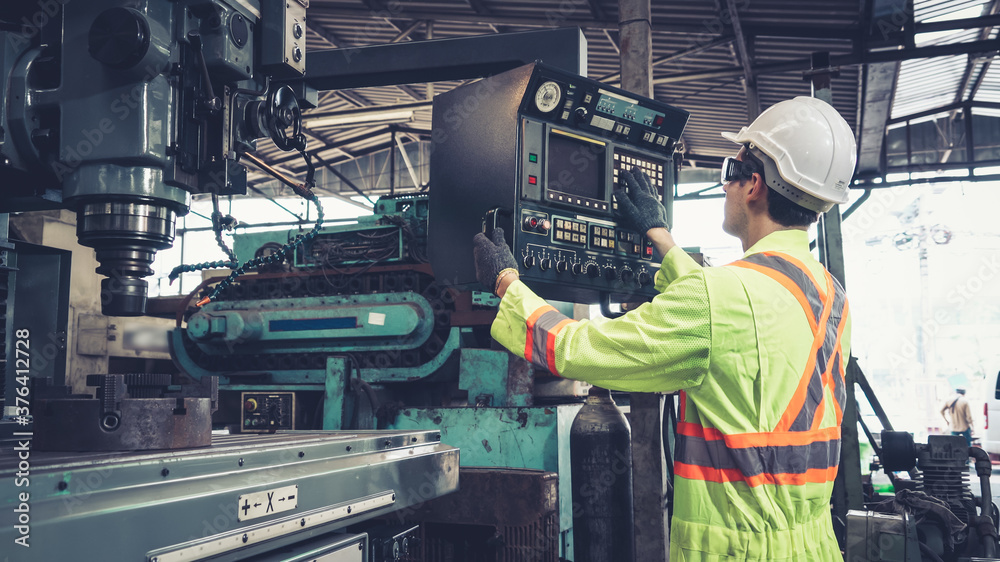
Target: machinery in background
121	110
933	516
375	324
287	496
354	331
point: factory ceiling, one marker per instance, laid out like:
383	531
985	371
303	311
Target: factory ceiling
894	62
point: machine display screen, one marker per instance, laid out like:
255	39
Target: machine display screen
630	109
576	165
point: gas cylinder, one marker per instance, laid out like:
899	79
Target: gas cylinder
601	456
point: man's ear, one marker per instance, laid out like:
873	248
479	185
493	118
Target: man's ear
758	190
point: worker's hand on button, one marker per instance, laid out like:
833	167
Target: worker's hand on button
640	206
493	258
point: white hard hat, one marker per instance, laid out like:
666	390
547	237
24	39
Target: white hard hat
811	145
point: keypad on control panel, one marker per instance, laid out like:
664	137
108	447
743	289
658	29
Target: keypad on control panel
624	162
602	237
573	232
630	243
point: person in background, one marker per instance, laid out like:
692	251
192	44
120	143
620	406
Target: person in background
956	412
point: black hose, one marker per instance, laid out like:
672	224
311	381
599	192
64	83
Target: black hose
984	468
370	393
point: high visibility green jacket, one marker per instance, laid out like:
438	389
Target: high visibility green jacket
758	349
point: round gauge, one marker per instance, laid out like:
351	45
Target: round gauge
547	97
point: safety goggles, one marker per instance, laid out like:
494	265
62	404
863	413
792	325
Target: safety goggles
733	169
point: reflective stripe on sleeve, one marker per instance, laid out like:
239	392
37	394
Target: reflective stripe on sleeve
540	343
529	348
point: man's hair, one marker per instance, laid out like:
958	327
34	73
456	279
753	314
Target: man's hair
781	209
960	390
786	213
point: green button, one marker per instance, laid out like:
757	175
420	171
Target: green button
532	158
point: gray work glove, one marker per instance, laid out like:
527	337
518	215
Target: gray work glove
640	207
492	257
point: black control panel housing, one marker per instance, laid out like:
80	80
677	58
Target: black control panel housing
539	151
267	412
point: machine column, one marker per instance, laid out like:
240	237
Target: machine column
649	479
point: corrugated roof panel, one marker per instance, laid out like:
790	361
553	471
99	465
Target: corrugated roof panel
941	10
927	83
946	37
989	91
716	104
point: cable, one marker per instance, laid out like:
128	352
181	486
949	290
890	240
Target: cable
220	222
272	258
305	191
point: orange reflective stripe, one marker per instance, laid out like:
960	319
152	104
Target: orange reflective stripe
697	430
811	476
786	283
799	398
550	347
769	439
530	322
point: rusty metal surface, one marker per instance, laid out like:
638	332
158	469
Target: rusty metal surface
495	496
499	515
146	423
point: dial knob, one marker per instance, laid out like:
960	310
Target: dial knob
580	114
578	269
593	271
627	276
547	97
545	264
610	273
529	262
644	278
561	267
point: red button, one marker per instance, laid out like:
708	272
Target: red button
532	180
649	251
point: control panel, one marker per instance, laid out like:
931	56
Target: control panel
267	412
543	164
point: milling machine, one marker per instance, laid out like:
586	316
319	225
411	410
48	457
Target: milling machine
121	111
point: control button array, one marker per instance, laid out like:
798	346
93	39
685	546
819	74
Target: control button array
629	242
571	231
653	169
602	237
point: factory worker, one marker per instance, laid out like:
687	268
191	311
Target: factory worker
757	347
